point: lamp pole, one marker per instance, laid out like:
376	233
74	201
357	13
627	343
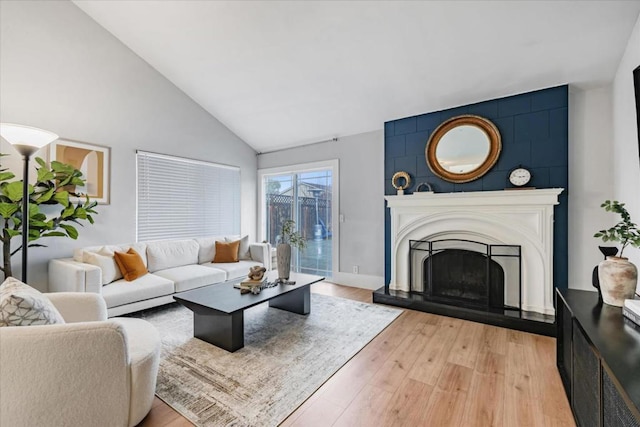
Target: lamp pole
26	140
25	216
26	151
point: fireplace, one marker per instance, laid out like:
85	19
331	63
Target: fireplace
499	219
459	271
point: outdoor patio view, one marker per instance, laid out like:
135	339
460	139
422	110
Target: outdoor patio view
306	198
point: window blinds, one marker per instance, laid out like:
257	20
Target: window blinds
182	198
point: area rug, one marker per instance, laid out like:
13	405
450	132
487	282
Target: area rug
285	359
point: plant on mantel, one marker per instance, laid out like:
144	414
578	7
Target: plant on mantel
54	185
617	276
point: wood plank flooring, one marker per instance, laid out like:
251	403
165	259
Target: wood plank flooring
429	370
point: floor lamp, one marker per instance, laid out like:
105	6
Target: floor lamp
26	140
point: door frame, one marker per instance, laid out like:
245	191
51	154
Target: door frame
334	166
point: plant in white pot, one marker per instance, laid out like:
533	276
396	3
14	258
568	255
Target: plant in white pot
288	238
618	277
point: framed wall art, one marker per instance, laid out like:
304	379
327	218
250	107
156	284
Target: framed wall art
92	160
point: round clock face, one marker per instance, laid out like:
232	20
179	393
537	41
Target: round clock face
519	177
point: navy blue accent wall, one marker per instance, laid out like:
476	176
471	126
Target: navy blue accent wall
534	130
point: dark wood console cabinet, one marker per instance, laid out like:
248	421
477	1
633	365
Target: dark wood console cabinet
598	357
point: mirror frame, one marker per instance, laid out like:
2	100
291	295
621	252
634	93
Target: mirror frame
495	146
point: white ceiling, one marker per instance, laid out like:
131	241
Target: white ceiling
281	74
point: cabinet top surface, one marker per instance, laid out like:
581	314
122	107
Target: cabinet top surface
616	338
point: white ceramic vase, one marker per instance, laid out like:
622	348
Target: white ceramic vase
283	255
618	279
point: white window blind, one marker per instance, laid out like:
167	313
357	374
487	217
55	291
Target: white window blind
182	198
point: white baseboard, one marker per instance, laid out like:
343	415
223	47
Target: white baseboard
358	280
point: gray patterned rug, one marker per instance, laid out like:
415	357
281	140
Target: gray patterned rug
285	359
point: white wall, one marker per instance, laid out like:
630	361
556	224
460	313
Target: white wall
61	71
626	163
590	179
361	200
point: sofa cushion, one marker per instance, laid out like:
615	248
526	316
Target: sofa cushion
107	263
171	253
146	287
130	264
243	251
233	270
226	252
22	305
141	248
207	250
192	276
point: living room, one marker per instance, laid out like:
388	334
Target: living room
279	88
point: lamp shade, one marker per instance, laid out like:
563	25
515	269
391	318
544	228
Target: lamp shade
26	139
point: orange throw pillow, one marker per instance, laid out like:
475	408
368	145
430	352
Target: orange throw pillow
130	264
227	252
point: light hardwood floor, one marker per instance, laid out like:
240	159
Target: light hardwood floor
429	370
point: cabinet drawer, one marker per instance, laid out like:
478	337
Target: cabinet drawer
586	381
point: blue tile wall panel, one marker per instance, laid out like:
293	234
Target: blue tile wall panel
534	130
488	109
394	146
428	121
549	99
389	129
404	126
514	105
415	143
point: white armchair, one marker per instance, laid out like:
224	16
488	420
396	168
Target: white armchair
88	371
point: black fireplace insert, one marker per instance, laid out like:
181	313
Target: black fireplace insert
466	272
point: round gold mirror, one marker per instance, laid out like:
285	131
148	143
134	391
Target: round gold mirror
463	148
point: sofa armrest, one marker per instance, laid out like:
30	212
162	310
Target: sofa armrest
79	306
72	374
261	252
67	275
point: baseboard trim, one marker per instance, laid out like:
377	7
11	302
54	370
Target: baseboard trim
362	281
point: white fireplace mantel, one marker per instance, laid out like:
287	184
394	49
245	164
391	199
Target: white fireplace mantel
510	217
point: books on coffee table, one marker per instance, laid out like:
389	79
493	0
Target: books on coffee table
248	284
631	310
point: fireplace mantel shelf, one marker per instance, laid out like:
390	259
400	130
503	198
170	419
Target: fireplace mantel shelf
543	196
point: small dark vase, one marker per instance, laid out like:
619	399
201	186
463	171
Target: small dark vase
606	251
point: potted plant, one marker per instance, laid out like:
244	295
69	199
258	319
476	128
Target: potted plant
53	187
288	238
618	277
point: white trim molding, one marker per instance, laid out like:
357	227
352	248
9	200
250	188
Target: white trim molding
510	217
363	281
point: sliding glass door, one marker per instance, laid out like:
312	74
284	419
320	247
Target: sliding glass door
307	197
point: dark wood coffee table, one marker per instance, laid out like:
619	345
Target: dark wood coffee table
218	310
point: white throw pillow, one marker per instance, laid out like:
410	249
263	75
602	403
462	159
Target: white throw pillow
207	250
141	248
107	263
243	251
22	305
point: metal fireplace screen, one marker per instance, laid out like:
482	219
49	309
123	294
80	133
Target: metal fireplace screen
457	271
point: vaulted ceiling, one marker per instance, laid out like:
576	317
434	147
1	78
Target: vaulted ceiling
282	74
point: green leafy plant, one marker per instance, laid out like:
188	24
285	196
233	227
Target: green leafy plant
54	185
625	231
292	237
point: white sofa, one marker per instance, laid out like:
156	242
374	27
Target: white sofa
174	266
89	371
